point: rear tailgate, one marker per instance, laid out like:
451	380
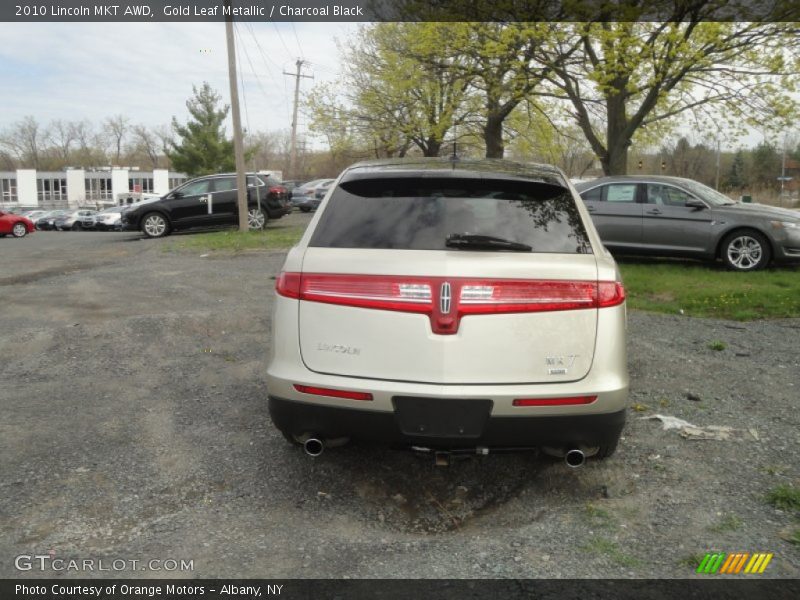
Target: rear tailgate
518	347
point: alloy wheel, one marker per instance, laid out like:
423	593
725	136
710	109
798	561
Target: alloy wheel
155	225
745	252
255	219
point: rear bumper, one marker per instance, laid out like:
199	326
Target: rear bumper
498	432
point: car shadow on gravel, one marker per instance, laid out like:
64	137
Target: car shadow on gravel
404	491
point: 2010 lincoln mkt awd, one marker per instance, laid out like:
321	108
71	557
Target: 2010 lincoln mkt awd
451	305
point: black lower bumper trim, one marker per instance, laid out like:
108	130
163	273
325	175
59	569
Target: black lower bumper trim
297	418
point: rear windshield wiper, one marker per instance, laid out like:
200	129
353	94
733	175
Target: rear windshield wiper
470	240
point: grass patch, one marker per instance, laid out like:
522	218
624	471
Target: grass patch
785	497
610	549
231	240
717	345
707	291
598	517
726	523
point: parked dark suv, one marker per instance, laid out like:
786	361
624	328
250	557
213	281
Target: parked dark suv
209	201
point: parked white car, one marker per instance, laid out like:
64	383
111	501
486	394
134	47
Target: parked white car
108	219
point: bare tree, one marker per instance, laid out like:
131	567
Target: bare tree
62	135
117	127
24	139
148	143
7	161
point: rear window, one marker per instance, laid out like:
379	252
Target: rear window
419	214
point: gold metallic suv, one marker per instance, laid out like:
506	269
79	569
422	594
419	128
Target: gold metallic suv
451	306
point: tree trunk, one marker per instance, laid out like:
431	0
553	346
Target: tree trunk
432	148
615	160
493	136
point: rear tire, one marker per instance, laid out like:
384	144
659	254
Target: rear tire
77	227
607	449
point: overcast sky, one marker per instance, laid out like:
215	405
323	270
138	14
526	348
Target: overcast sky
146	71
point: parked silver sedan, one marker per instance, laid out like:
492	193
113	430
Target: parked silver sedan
671	216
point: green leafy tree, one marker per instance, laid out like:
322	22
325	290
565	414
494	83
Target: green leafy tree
500	62
201	146
630	76
400	88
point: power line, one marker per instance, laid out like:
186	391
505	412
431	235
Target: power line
265	58
252	68
297	39
280	37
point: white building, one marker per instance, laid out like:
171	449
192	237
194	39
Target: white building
74	188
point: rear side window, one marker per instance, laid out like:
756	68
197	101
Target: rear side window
224	184
420	213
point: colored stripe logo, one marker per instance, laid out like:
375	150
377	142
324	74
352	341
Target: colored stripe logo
734	563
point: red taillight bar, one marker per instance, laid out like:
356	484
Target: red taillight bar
467	296
554	401
318	391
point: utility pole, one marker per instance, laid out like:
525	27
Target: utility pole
716	186
293	155
238	142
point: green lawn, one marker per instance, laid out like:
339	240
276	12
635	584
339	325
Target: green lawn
274	237
710	291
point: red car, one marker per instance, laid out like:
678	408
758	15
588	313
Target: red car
16	225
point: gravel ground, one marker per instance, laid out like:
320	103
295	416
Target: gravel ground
135	426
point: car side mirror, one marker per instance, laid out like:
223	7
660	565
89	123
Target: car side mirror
695	204
176	195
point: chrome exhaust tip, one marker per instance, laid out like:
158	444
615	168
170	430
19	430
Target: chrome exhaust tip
313	446
575	458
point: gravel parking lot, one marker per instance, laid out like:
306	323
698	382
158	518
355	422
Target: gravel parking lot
134	426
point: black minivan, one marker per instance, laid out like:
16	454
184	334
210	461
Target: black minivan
208	202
